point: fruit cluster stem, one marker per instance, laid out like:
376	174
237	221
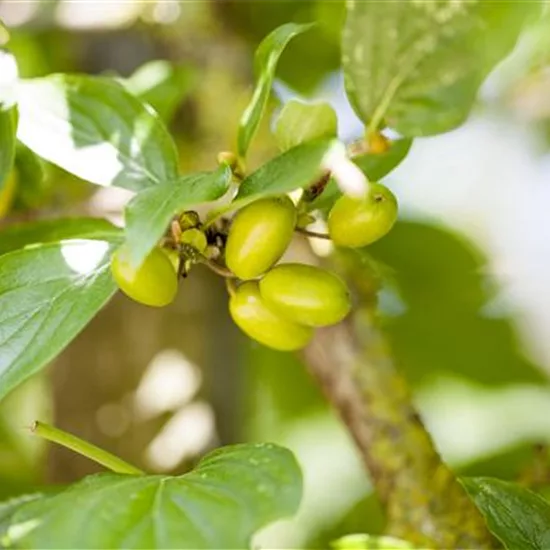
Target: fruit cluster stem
424	502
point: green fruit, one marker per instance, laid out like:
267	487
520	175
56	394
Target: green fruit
356	222
195	238
255	319
305	294
154	283
174	257
259	236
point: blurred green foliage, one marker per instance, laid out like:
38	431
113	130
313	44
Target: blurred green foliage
450	321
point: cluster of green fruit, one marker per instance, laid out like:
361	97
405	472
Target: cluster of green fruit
277	305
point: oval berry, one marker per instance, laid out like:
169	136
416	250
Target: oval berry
306	294
259	236
260	323
356	222
154	283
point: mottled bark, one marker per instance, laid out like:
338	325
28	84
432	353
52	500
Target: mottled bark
424	502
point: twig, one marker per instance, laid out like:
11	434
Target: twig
217	268
314	234
70	441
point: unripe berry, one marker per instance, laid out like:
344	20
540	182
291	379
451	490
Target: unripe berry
195	238
306	294
356	222
259	236
255	319
154	283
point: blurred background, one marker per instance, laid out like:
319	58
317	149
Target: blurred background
466	301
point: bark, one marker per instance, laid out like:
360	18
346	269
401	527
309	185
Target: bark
423	500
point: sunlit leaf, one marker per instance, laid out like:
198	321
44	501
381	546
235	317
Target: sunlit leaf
232	493
95	129
48	293
265	64
47	231
417	65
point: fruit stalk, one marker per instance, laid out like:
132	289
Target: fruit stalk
424	502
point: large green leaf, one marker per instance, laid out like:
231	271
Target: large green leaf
48	293
265	64
232	493
300	122
298	167
417	65
149	213
95	129
47	231
518	517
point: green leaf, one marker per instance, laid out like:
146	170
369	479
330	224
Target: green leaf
7	145
47	231
436	298
149	213
300	122
417	65
380	165
370	542
95	129
9	507
519	518
375	167
298	167
265	63
231	494
48	293
162	85
32	184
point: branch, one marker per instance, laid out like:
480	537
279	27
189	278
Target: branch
424	502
